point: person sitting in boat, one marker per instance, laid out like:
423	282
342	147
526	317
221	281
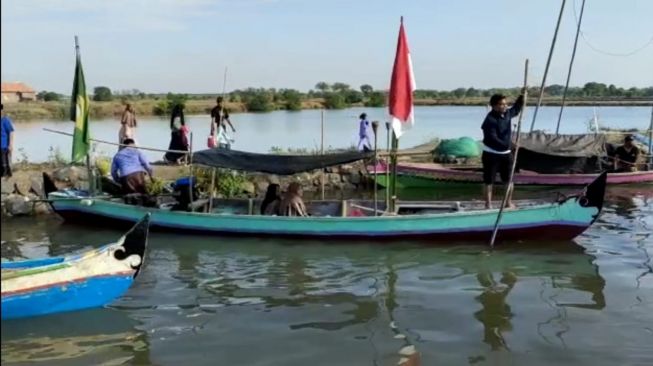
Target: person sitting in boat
292	203
178	136
626	155
129	167
270	204
497	141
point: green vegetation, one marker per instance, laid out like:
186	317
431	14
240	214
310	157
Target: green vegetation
47	96
324	95
228	183
102	94
164	107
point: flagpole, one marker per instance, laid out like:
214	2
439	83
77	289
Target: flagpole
387	168
322	150
375	127
393	163
89	169
510	187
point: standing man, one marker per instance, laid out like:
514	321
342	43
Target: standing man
7	143
497	141
219	115
129	167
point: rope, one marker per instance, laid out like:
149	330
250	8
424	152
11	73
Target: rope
571	64
596	49
548	63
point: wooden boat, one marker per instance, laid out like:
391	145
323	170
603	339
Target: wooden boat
79	281
424	175
544	160
563	219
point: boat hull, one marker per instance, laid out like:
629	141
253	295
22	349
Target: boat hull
80	281
443	174
560	220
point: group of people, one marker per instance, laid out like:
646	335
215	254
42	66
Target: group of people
129	165
290	204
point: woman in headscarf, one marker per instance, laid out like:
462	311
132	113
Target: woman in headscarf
127	124
292	203
270	204
178	136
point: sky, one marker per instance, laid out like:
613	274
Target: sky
184	46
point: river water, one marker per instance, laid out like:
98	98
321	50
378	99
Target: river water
259	132
230	301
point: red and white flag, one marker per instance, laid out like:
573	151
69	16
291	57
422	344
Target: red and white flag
402	86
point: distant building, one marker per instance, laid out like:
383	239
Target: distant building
17	92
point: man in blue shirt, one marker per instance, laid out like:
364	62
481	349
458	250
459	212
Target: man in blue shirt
497	141
129	167
7	143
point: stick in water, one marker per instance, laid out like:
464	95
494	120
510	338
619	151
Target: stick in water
509	189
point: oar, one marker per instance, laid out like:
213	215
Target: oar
514	161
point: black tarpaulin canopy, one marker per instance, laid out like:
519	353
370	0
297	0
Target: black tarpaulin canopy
564	145
273	164
561	154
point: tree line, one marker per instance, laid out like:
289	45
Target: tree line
340	95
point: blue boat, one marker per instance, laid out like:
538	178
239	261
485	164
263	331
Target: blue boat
84	280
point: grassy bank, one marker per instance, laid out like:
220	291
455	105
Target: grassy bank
59	110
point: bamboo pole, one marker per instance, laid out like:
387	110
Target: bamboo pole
375	127
393	183
116	144
322	150
548	63
387	168
571	64
650	141
190	168
212	190
509	188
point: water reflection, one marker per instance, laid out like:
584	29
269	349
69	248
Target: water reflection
495	314
212	293
80	338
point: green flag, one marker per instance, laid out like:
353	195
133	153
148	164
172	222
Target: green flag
79	114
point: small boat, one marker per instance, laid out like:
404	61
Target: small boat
543	160
79	281
426	175
562	219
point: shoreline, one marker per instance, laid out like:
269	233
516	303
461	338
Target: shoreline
59	110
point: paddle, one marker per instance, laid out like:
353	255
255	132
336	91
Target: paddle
509	188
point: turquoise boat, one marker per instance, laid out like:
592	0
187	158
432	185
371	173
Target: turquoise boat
80	281
563	219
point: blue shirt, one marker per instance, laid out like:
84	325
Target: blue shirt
7	129
128	161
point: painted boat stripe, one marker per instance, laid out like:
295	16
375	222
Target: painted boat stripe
538	224
62	283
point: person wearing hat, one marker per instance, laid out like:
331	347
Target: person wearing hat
625	157
364	141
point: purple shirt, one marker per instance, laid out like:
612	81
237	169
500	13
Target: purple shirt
362	131
127	161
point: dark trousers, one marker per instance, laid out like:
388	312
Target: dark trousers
496	163
133	183
6	163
